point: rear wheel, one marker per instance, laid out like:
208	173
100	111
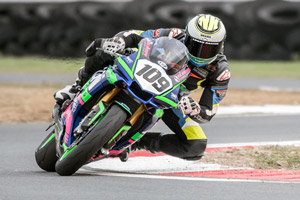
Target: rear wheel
80	153
45	155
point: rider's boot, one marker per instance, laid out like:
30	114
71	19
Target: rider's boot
149	142
64	96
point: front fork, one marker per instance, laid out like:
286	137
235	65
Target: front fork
94	117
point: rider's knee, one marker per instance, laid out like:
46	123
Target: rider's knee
195	149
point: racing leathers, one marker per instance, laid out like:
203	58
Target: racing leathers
189	141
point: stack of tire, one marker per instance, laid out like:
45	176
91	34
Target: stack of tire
261	29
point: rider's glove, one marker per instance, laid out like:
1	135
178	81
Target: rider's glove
189	106
111	45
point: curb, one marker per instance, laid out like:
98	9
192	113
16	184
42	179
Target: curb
147	164
263	174
256	174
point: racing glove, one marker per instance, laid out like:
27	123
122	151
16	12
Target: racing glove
111	45
189	106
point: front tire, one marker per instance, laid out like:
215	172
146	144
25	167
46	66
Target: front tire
79	154
45	155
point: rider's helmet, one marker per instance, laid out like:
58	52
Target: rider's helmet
205	35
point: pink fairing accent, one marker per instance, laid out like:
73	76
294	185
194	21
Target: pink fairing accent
95	158
80	100
147	48
187	70
115	152
111	153
131	141
69	119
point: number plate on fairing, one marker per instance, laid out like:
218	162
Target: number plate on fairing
152	77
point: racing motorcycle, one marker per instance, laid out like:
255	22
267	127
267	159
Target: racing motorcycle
116	107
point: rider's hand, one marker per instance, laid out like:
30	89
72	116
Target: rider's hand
189	106
113	45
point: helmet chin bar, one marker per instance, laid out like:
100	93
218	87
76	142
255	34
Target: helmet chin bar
200	62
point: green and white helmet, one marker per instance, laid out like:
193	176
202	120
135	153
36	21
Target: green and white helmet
205	35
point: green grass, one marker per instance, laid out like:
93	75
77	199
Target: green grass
258	69
39	65
265	69
278	157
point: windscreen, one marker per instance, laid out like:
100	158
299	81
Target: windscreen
169	53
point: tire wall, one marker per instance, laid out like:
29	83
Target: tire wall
262	29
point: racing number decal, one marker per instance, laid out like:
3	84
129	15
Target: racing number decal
154	75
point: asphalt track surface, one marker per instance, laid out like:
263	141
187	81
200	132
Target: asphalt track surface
21	178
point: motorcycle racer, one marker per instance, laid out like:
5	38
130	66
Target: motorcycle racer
204	37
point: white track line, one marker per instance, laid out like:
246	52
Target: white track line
271	109
164	177
280	143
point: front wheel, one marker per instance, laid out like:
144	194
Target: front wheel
45	155
80	153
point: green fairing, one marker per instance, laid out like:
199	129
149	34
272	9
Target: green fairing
85	95
136	136
124	128
111	76
65	147
86	84
167	100
137	57
67	153
101	106
50	138
126	67
159	113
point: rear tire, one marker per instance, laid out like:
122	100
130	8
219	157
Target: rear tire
45	155
77	156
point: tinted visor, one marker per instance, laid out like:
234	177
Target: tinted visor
202	50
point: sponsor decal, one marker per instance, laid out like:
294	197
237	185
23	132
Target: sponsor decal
224	76
205	42
211	67
74	105
200	71
206	36
186	71
156	33
128	60
67	114
173	96
221	93
147	47
174	32
162	64
195	76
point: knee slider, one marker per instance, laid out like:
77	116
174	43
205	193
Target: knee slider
195	149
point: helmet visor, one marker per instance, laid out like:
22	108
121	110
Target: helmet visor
202	50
